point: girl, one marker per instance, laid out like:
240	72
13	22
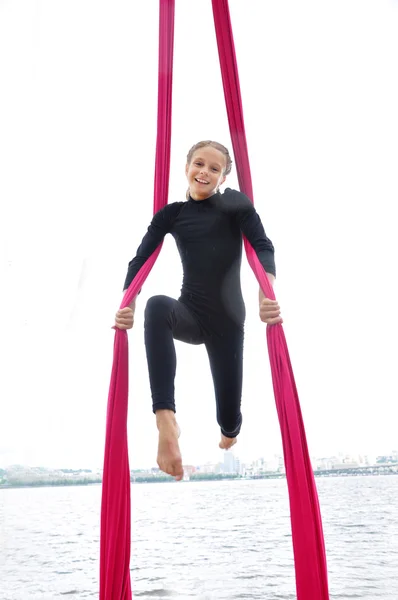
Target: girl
208	229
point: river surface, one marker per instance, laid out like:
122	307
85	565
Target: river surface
204	540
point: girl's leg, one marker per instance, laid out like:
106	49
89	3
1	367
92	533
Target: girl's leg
166	320
226	363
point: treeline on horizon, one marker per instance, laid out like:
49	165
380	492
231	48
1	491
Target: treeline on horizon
50	482
167	478
88	481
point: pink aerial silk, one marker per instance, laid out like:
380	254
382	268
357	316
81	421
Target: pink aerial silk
115	510
308	544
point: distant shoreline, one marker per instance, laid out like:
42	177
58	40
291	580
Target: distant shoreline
40	484
167	479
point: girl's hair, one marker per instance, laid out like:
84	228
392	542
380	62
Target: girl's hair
218	147
215	145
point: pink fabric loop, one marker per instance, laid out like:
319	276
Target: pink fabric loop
308	542
115	510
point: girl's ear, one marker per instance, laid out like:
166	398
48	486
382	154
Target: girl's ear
221	182
186	169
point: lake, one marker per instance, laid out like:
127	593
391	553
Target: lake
203	540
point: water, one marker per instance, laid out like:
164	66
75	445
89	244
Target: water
222	540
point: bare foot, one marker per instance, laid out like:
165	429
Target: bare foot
227	443
169	456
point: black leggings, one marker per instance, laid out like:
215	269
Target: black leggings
167	320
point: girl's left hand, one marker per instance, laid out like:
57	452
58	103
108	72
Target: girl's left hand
270	312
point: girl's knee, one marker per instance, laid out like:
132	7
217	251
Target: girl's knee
158	307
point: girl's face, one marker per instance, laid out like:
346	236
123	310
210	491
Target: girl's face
205	173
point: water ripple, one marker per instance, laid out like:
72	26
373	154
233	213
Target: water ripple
188	542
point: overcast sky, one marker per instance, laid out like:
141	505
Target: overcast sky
77	138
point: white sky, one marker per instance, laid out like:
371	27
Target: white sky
78	101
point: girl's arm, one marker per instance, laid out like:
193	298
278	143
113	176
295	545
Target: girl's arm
160	225
261	295
252	228
269	310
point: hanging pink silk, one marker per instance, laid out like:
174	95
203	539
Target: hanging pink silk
308	542
115	510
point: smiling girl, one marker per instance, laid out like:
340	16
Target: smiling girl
208	230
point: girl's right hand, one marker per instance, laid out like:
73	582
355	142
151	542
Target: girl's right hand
124	318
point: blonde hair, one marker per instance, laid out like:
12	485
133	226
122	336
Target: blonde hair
218	147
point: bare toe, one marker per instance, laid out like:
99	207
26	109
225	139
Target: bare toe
169	456
178	471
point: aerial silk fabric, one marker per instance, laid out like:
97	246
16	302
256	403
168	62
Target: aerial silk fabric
308	541
115	508
308	544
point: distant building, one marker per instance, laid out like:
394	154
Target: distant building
189	470
323	464
209	468
231	463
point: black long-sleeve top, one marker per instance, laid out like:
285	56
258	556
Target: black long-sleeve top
208	234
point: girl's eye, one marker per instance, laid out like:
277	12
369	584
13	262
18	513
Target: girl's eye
215	169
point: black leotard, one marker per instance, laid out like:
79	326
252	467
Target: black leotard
210	310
